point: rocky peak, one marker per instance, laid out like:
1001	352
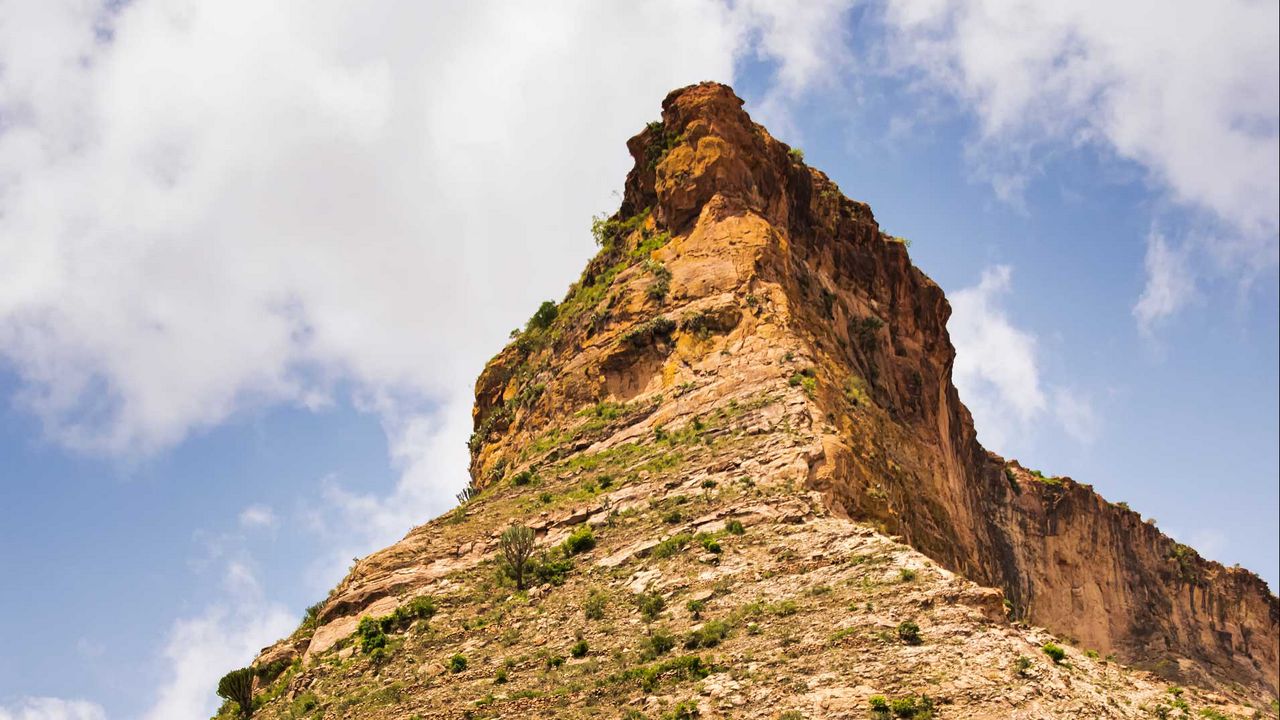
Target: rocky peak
733	262
739	425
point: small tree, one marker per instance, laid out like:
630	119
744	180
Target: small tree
237	686
517	546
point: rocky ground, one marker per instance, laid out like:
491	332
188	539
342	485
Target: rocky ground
773	607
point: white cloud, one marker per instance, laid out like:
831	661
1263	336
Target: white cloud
1187	90
212	206
810	44
997	372
1170	283
48	708
225	635
1074	412
241	203
257	516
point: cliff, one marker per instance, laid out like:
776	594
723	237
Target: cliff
745	405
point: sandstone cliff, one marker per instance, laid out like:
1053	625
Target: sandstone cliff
747	399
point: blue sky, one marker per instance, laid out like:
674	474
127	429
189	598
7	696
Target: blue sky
252	258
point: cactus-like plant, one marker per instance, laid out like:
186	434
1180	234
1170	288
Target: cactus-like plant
237	686
517	546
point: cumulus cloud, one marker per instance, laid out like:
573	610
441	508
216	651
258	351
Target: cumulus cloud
997	371
1186	90
48	708
209	207
224	636
206	206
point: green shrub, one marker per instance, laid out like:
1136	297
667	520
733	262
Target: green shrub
796	154
543	317
500	677
270	671
695	608
879	703
909	632
709	635
372	631
579	541
785	608
550	568
303	704
734	527
661	284
658	642
593	606
673	517
371	634
1021	665
457	663
1055	652
422	607
685	667
579	649
650	605
648	332
555	661
910	707
671	545
804	380
660	143
522	478
311	616
708	542
686	710
907	574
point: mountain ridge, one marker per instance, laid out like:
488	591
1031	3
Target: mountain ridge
748	343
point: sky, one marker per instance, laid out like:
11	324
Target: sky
254	255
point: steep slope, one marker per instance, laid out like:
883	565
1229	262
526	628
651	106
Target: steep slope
746	392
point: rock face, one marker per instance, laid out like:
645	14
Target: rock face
747	391
773	256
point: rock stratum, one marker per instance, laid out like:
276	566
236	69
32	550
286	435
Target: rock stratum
757	494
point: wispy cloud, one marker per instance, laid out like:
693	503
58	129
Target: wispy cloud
257	516
1170	284
1185	90
997	370
48	708
225	635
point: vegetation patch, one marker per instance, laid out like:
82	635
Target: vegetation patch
580	540
685	667
671	545
650	604
649	332
1055	652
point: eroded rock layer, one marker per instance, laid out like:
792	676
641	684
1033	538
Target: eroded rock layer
738	431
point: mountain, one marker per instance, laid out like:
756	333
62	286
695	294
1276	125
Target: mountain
755	492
